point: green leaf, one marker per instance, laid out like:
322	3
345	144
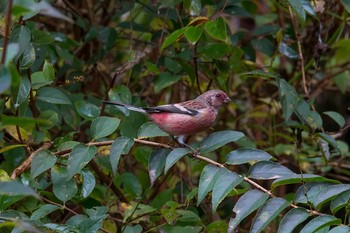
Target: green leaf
245	155
28	57
346	4
41	162
264	45
289	98
121	94
39	80
121	145
48	70
89	183
292	219
41	37
6	148
138	209
216	29
330	140
218	139
307	116
86	109
103	126
187	216
308	7
59	228
21	35
193	33
50	116
297	178
16	188
163	80
215	51
63	188
133	229
43	211
23	92
172	65
224	184
15	79
7	200
79	158
25	122
131	184
340	229
340	201
150	130
297	7
245	206
180	229
320	222
269	170
172	38
169	214
52	95
67	145
219	226
327	193
339	119
307	192
206	181
268	213
156	163
324	147
174	156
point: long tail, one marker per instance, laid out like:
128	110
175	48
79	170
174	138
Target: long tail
132	108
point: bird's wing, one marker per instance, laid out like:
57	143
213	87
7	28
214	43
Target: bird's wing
188	108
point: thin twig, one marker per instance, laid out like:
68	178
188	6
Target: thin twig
300	52
59	205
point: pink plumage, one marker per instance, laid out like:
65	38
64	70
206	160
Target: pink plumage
186	118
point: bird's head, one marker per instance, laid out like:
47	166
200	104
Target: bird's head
216	98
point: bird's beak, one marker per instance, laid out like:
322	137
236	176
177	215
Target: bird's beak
227	100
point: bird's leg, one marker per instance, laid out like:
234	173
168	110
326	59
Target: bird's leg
181	141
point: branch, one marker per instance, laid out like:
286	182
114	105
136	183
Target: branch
26	163
7	31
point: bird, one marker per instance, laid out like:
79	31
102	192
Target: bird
184	119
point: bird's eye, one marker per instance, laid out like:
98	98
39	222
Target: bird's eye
218	95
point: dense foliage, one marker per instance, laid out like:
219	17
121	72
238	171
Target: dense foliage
276	160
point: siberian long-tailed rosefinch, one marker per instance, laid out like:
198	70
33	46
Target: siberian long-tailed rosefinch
187	118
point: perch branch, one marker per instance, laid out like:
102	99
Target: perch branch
205	159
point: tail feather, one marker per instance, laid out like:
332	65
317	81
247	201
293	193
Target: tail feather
132	108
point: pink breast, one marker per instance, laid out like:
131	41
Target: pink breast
181	124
